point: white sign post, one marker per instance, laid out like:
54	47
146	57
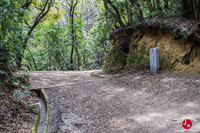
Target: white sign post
154	60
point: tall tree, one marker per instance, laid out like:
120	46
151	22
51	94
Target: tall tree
11	16
44	9
117	13
70	8
135	4
150	7
191	8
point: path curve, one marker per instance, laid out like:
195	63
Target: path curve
134	102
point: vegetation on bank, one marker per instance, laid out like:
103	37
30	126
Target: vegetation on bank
180	18
77	35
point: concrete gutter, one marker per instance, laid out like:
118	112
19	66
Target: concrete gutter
42	120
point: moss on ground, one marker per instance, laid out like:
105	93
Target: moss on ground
165	61
35	128
137	55
116	60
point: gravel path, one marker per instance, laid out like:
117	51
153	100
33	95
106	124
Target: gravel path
135	102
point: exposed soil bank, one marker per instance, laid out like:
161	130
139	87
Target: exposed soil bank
133	102
177	39
181	54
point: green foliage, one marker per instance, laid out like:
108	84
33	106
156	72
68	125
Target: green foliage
17	94
51	48
137	55
32	109
100	39
164	61
11	17
115	61
18	98
48	48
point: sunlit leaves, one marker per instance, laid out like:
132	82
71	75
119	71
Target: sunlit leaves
55	14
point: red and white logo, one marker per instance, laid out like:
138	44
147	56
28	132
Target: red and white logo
187	124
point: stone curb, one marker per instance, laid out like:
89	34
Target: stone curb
42	94
96	74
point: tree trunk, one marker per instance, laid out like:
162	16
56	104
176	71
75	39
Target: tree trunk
141	15
48	4
117	13
28	67
72	6
54	66
166	6
32	59
141	18
106	15
84	60
73	39
129	13
127	10
74	66
31	68
58	58
186	7
198	5
131	16
154	5
150	8
79	58
71	62
158	5
194	4
137	5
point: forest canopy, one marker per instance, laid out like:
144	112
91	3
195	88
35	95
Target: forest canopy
73	34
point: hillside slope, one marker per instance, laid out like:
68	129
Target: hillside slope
177	40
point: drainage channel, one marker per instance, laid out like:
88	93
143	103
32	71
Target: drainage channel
42	120
41	123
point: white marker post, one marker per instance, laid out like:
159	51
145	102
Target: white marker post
154	60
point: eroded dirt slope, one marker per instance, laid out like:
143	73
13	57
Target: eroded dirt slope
133	102
179	54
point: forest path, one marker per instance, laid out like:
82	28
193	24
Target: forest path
133	102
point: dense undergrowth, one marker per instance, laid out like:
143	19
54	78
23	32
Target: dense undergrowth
18	105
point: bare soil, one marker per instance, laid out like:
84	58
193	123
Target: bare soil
128	103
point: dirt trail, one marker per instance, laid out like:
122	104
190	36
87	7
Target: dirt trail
132	103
